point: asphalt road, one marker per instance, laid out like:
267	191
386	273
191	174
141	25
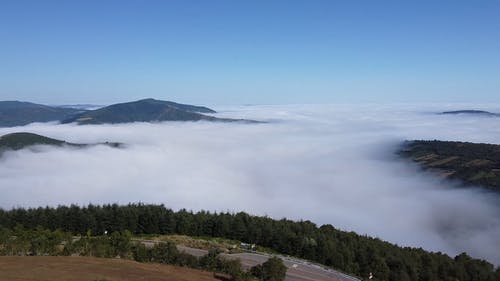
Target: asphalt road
298	270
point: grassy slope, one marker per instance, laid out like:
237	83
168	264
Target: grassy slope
89	269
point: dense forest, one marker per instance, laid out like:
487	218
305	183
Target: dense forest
472	163
346	251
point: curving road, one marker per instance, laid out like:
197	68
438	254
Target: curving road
298	270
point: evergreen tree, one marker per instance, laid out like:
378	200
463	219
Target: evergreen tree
271	270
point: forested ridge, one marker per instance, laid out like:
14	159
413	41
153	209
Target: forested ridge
472	163
346	251
22	140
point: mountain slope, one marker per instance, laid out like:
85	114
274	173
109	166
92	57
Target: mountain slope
185	107
16	113
472	163
147	110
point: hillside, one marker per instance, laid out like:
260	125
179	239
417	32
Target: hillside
472	163
17	141
16	113
89	269
146	110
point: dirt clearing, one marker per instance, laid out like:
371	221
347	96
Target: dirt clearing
93	269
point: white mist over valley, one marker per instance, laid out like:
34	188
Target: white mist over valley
331	164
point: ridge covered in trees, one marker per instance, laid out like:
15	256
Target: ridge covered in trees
346	251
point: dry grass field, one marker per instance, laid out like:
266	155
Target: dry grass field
93	269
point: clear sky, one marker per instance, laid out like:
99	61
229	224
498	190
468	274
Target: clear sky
247	52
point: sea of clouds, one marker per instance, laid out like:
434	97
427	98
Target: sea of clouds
332	164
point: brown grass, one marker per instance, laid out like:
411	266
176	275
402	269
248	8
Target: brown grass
203	243
478	162
426	158
93	269
444	161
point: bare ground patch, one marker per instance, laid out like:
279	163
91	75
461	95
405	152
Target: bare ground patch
90	269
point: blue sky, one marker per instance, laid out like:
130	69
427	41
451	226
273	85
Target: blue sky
250	52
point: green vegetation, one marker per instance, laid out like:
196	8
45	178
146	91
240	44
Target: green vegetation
167	253
41	242
346	251
271	270
472	163
204	243
15	113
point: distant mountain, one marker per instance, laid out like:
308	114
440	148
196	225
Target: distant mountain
17	141
16	113
146	110
471	163
471	111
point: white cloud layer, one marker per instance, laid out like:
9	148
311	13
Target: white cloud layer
328	164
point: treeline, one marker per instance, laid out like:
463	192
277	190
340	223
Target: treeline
20	241
346	251
474	163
